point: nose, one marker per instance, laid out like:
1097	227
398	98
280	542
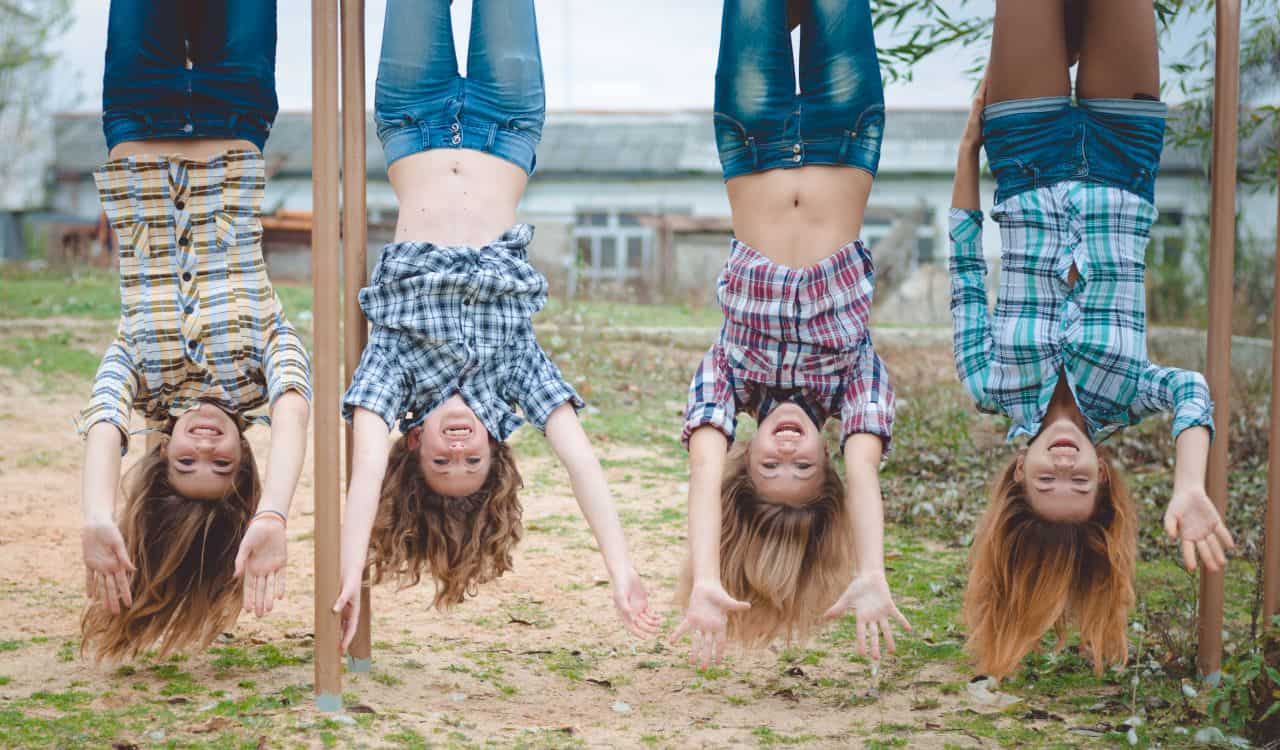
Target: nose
787	447
1063	459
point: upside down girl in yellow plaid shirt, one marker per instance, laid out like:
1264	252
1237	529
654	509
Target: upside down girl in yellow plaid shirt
188	98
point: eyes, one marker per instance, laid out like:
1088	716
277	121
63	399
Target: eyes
441	461
801	465
220	463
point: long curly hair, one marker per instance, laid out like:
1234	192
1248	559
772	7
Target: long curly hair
184	590
460	542
1028	574
791	563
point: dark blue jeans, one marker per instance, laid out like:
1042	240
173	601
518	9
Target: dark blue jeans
837	118
422	102
190	69
1033	143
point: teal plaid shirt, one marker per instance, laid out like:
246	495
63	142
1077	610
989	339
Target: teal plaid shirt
1093	330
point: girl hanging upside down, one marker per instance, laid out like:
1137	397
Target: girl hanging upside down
777	540
188	97
1064	355
452	350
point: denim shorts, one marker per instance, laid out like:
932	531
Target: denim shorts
837	118
421	101
1034	143
190	69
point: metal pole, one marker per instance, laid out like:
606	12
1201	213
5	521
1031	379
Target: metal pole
324	279
1222	248
1271	554
355	227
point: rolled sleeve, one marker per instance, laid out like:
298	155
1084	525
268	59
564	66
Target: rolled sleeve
115	386
542	389
286	363
1183	393
377	386
711	400
970	318
868	405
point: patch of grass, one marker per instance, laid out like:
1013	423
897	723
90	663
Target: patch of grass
766	737
596	315
52	355
573	665
10	645
263	657
407	738
46	294
385	678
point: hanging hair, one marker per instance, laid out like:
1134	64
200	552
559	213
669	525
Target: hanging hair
184	590
790	562
461	542
1028	575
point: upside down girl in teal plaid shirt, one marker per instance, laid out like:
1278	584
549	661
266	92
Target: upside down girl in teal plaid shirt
1064	353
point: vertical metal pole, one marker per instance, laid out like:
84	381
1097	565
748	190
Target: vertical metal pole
1271	553
1222	249
324	279
354	241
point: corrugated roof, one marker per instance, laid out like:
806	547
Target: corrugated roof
605	143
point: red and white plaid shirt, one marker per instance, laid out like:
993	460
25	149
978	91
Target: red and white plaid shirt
786	329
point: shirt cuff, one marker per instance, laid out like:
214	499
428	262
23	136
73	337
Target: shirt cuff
550	395
871	421
715	416
966	227
98	413
1196	412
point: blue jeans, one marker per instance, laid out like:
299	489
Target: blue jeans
227	91
837	118
421	102
1038	142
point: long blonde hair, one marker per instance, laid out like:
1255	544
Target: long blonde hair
461	542
790	562
1028	574
184	590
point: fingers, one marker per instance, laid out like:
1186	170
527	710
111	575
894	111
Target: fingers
835	612
112	595
246	590
733	605
862	638
902	619
679	632
890	645
269	592
721	643
122	586
1224	536
1171	525
281	578
260	595
89	587
875	640
242	556
1189	554
122	556
349	631
1211	553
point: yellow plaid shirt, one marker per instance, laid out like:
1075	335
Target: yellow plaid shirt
199	320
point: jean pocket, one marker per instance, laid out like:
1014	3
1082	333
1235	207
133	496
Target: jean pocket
731	136
388	123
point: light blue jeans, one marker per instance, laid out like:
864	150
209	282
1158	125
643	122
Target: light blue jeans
421	101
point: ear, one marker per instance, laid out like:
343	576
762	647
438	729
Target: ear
414	438
1019	474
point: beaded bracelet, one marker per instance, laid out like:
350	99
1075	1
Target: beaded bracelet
270	514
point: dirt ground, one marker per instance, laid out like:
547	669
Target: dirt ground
538	659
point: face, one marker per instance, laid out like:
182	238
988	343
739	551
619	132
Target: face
1060	472
204	453
787	457
453	448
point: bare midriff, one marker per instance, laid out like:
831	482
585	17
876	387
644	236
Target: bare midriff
799	217
197	149
455	196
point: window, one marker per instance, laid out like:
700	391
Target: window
612	245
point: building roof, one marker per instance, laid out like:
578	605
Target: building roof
624	144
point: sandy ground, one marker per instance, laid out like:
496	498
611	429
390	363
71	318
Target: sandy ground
537	659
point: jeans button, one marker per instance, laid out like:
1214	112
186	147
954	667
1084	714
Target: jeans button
188	128
456	139
795	149
796	158
455	127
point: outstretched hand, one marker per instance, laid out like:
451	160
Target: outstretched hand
107	568
869	597
260	562
347	607
707	619
632	602
1192	518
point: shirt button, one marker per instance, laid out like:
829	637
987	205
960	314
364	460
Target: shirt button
186	276
179	204
192	345
188	309
184	241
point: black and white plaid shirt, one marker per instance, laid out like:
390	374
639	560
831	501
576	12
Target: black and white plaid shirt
456	320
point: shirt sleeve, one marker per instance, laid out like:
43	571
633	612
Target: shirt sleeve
1183	393
711	399
868	405
970	318
542	388
286	363
377	385
115	387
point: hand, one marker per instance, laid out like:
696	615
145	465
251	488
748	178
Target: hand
347	607
972	138
106	566
260	562
1192	517
868	596
707	616
632	603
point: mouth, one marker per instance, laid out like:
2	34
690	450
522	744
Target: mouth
205	429
789	429
1064	443
457	431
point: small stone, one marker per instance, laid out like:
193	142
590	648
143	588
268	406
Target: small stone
344	719
157	735
1188	690
1209	736
621	708
1132	736
457	697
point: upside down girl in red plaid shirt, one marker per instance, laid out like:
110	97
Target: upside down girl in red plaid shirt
778	542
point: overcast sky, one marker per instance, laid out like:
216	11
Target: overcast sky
597	54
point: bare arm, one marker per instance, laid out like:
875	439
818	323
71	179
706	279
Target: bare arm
106	560
369	467
100	479
965	192
573	448
708	448
289	417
